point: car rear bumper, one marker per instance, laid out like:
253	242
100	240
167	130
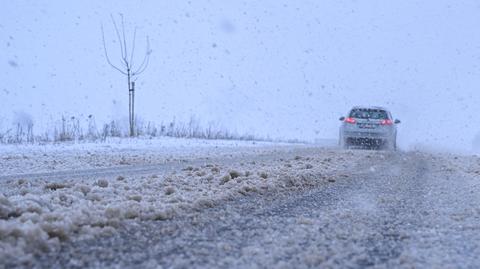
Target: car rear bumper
371	135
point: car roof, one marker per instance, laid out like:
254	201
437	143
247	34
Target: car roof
370	107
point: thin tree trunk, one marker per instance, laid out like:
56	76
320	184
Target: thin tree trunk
130	102
133	109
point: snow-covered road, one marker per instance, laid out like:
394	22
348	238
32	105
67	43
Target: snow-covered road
295	208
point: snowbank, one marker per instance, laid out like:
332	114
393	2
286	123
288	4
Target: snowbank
17	159
37	215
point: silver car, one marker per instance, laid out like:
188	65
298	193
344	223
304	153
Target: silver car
369	127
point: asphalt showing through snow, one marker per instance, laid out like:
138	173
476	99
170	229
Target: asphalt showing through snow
404	211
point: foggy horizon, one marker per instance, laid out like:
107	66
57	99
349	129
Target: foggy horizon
278	69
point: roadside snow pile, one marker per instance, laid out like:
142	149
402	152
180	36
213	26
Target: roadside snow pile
19	159
36	216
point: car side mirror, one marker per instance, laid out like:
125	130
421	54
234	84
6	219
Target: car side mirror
397	121
342	118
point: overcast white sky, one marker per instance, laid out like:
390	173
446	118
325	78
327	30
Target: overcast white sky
283	68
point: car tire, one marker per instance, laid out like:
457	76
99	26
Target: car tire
343	143
391	145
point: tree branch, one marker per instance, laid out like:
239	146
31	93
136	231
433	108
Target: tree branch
119	38
140	71
127	59
145	61
125	54
106	54
133	46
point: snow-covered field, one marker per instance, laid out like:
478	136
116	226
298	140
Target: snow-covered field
17	159
39	209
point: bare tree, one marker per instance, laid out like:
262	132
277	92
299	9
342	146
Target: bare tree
127	65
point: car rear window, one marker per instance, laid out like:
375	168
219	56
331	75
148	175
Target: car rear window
365	113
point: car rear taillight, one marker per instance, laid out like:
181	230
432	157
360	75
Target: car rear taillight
350	120
386	122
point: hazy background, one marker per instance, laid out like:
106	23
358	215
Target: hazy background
285	69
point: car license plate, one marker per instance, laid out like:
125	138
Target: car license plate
367	126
